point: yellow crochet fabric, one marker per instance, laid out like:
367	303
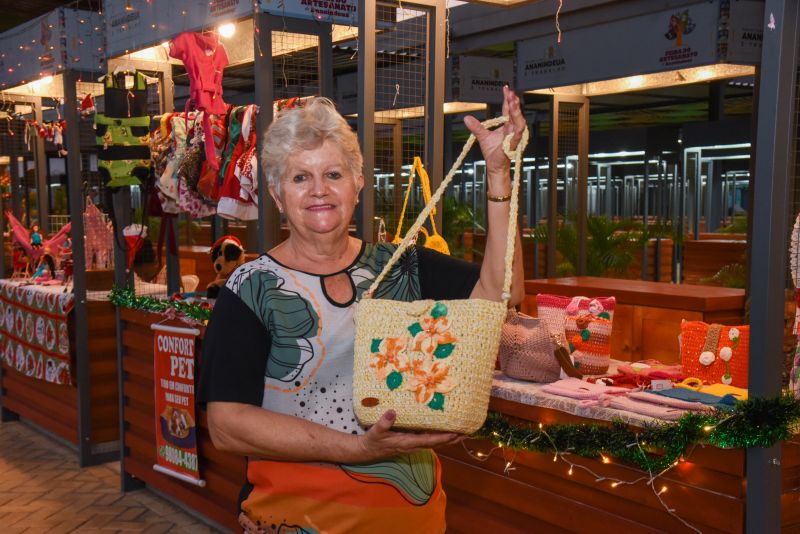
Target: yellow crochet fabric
714	389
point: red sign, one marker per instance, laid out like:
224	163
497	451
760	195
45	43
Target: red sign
176	429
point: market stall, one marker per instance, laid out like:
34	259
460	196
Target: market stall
58	372
487	483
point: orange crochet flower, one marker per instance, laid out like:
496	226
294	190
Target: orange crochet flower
429	377
391	356
435	332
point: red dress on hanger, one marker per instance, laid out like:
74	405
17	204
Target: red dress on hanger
204	58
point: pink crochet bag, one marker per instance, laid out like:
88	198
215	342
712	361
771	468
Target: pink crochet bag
586	322
529	351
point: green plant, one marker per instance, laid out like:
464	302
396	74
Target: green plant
457	217
737	226
731	275
611	246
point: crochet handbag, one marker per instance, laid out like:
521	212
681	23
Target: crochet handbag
433	240
432	361
587	325
529	351
715	353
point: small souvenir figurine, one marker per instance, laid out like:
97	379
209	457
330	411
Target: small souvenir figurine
36	237
65	249
227	254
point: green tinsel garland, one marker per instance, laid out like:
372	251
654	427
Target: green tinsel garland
757	422
126	298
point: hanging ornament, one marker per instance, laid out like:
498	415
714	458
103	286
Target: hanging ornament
87	106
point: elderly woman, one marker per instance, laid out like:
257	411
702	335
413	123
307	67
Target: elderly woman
277	364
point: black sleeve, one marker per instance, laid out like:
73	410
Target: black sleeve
234	353
443	277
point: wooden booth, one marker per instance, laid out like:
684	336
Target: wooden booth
59	369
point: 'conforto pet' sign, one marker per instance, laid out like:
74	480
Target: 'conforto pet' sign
176	431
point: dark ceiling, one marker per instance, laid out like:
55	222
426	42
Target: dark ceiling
14	13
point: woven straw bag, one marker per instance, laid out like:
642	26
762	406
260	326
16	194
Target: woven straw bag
432	361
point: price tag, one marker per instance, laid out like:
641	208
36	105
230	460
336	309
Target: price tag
128	81
660	385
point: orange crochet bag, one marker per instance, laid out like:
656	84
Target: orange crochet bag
715	353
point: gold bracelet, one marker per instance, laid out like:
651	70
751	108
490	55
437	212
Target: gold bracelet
499	199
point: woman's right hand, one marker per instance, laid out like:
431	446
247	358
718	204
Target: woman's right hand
381	441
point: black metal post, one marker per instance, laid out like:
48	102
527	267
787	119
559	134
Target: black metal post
80	311
367	13
42	165
773	184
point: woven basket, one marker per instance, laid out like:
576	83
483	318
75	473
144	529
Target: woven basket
432	362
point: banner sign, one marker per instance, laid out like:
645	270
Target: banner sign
343	12
742	36
481	79
666	40
176	428
148	23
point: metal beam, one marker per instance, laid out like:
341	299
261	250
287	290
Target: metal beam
269	219
777	116
583	185
80	341
552	190
41	170
367	13
434	111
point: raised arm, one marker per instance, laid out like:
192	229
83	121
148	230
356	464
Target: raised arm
498	179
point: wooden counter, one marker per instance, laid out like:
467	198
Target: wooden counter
707	490
55	407
647	319
224	473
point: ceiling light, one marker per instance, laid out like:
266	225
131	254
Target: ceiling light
227	30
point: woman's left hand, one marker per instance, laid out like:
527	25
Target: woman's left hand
491	143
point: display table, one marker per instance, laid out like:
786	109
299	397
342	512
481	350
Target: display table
39	363
707	490
539	495
647	319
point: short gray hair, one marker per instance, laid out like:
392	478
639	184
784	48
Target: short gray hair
306	128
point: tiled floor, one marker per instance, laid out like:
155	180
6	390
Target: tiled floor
42	489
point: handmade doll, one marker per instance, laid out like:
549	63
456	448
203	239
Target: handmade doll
36	237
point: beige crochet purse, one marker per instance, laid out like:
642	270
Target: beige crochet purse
432	361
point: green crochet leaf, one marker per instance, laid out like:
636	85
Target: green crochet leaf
438	310
437	403
394	380
415	329
445	350
376	345
585	334
604	315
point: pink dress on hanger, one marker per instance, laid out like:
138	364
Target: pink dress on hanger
204	58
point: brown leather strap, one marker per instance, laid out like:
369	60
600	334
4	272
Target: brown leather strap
563	359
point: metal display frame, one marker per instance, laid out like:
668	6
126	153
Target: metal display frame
434	96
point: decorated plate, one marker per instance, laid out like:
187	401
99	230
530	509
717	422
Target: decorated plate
50	336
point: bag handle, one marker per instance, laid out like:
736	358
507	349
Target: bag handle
426	196
516	155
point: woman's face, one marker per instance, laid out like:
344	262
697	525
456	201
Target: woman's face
318	193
